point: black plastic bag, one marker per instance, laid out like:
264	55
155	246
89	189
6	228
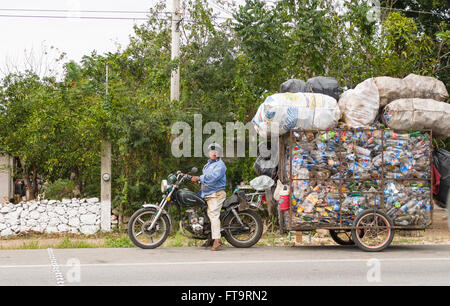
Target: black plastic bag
294	85
264	166
441	160
325	85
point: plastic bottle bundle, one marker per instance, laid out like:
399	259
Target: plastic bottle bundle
362	186
315	152
315	202
338	174
355	203
361	149
407	155
408	202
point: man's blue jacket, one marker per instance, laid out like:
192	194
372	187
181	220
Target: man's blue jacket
213	178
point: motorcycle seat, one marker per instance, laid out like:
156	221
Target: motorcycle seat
230	201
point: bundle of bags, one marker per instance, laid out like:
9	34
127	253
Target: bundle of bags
310	105
283	112
412	103
299	105
266	163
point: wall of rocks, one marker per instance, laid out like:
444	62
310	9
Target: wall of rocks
76	216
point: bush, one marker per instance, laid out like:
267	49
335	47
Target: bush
59	189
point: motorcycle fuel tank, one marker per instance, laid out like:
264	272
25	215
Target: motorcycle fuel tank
189	198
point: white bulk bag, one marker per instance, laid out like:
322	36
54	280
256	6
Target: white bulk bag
290	111
412	86
359	106
418	114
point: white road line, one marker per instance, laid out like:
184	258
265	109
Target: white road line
55	268
239	262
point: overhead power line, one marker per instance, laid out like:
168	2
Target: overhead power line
93	17
220	7
409	11
384	8
79	11
214	3
79	17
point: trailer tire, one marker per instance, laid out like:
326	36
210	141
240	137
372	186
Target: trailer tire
373	230
334	234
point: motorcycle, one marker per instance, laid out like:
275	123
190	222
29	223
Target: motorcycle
150	226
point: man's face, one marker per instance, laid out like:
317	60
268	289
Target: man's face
213	155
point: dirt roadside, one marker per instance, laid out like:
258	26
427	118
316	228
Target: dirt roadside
439	233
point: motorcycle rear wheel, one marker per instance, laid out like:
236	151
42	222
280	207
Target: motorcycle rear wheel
234	237
143	238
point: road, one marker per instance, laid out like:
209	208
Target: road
257	266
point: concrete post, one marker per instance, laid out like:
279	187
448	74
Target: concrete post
176	34
106	187
6	183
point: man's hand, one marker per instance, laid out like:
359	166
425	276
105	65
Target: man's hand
195	179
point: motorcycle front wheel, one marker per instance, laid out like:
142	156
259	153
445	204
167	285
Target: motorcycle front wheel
138	229
239	237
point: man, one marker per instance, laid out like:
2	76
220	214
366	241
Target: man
213	182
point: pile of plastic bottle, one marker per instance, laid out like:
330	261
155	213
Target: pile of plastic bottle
338	174
408	202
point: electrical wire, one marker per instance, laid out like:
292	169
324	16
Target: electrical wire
220	7
409	11
216	4
383	8
79	17
74	11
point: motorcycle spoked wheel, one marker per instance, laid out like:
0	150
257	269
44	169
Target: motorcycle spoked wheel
237	237
143	238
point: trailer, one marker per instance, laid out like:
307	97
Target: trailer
360	184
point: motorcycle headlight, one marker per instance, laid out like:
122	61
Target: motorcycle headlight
164	186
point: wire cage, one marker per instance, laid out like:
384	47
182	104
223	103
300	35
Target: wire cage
334	175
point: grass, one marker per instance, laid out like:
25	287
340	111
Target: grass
118	242
100	240
30	245
67	243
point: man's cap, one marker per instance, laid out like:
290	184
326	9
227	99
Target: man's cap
214	147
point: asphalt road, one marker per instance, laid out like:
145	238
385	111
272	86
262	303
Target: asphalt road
257	266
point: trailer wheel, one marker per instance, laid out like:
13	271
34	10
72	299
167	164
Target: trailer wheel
342	237
373	230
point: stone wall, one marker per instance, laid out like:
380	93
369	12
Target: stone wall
76	216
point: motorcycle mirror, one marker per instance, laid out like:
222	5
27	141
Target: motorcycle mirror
194	170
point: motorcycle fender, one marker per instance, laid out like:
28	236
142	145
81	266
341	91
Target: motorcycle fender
156	207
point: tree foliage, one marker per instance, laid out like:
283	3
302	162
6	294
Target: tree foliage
227	67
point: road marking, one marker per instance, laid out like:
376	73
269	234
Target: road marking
338	260
55	268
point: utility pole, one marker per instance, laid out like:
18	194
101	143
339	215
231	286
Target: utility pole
105	216
176	34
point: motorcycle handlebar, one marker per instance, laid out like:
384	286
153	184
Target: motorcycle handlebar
186	176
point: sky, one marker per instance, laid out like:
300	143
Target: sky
76	37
